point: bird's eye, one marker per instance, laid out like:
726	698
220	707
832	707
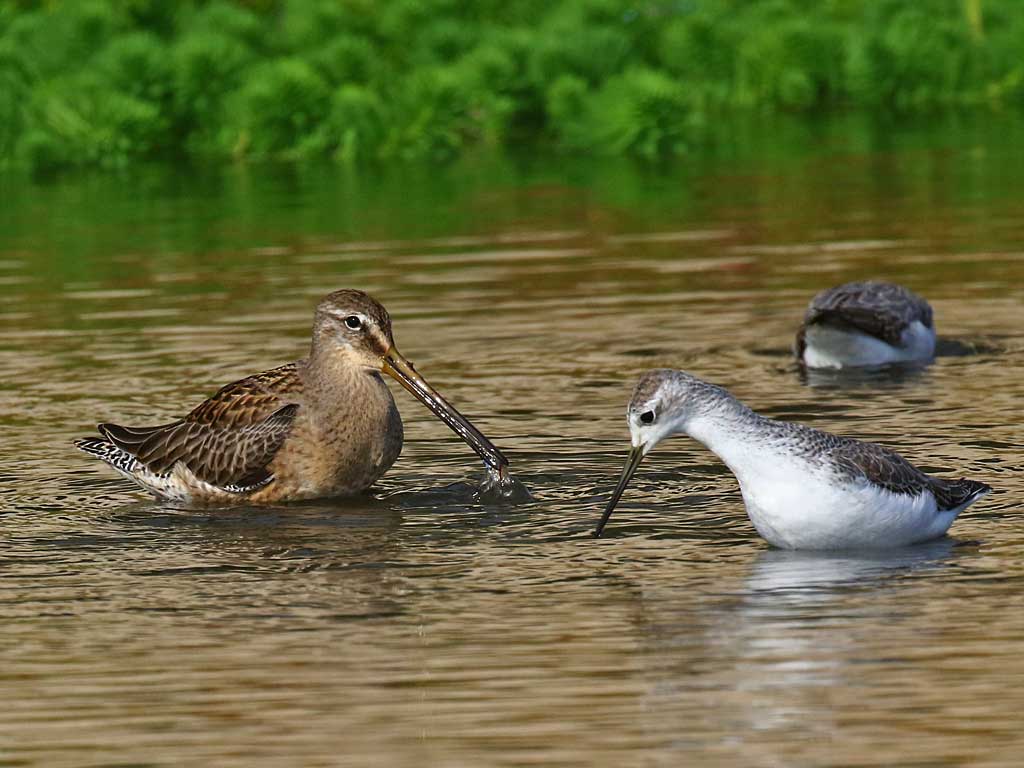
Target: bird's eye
353	322
647	417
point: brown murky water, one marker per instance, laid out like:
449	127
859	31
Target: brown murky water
416	626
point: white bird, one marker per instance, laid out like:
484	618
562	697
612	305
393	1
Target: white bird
803	488
866	324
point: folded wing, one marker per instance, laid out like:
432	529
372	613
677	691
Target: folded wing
882	310
891	471
880	466
227	441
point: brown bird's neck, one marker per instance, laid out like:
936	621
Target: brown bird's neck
349	426
327	372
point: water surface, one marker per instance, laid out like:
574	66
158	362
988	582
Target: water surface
415	626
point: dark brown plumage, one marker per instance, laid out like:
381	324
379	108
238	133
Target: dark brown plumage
227	441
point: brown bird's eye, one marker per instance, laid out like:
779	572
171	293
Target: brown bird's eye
647	417
353	322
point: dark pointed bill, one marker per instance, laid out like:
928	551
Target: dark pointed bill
635	456
401	369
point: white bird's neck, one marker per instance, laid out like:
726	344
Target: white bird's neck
737	435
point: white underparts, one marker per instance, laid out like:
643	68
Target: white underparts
798	501
830	347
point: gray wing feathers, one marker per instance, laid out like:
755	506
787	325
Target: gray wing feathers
951	494
879	466
891	471
883	310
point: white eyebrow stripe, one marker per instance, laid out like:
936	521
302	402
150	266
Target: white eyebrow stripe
342	315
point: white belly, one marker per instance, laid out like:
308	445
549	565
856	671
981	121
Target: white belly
829	347
806	510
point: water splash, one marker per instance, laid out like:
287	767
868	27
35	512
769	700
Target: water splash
499	487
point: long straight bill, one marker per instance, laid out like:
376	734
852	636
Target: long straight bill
635	456
401	369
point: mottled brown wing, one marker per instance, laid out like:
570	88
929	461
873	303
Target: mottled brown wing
882	310
228	440
880	466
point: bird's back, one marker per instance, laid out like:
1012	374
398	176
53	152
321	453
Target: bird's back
865	323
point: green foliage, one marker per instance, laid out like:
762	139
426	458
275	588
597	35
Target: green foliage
346	59
14	93
641	112
913	60
567	102
228	20
138	65
207	66
436	112
60	39
42	152
279	108
106	82
306	25
593	53
356	125
797	65
80	120
696	49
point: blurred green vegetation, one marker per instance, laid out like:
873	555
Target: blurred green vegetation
107	82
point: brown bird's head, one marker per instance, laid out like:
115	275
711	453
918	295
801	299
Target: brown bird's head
354	325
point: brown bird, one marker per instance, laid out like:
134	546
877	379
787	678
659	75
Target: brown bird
323	426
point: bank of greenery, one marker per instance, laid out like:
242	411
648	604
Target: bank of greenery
105	82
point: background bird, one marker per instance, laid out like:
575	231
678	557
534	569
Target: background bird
866	324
